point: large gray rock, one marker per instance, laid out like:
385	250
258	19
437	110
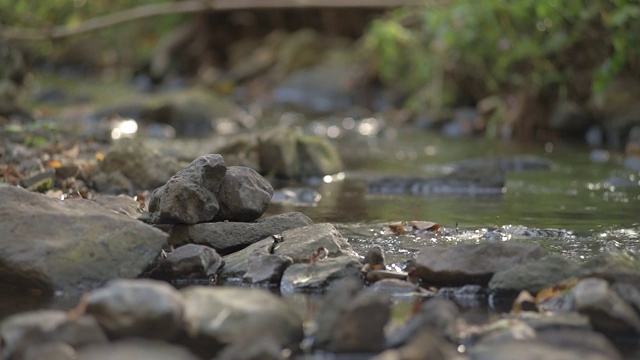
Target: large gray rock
146	168
218	316
437	315
237	263
190	196
533	276
139	349
21	332
72	245
471	263
188	261
244	195
607	311
352	320
300	243
320	275
227	237
137	308
266	269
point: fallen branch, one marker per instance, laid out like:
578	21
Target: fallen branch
185	7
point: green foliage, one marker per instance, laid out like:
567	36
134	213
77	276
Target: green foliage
489	47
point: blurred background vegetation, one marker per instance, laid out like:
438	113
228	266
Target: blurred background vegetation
513	60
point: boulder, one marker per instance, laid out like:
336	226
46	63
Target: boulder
139	349
607	311
188	261
228	237
243	196
533	276
471	263
352	320
72	245
219	316
21	332
146	168
137	308
190	196
437	315
301	243
319	275
237	263
266	269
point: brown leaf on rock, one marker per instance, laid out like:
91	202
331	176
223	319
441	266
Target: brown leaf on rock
558	289
524	302
397	228
424	226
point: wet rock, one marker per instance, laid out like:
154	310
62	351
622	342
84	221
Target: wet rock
285	153
137	308
630	293
374	259
607	311
551	344
22	332
351	319
519	231
490	180
266	269
121	204
264	348
146	168
533	276
436	314
471	263
320	275
237	264
228	237
188	261
426	345
510	163
300	243
244	195
189	197
468	296
296	197
400	289
373	276
218	316
90	245
139	349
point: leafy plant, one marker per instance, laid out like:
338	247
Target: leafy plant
440	52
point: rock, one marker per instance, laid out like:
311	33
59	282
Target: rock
266	269
426	345
437	315
137	308
352	320
188	261
373	276
121	204
21	332
243	196
139	349
50	351
146	169
112	183
468	296
237	264
189	197
607	311
72	245
533	276
218	316
228	237
506	163
300	243
285	153
263	348
552	344
296	197
320	275
471	263
400	289
374	259
488	180
630	293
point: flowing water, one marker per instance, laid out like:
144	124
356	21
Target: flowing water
577	195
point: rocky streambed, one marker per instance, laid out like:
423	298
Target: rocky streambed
235	266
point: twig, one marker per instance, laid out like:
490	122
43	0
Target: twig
185	7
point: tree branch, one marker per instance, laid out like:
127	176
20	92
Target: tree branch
184	7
